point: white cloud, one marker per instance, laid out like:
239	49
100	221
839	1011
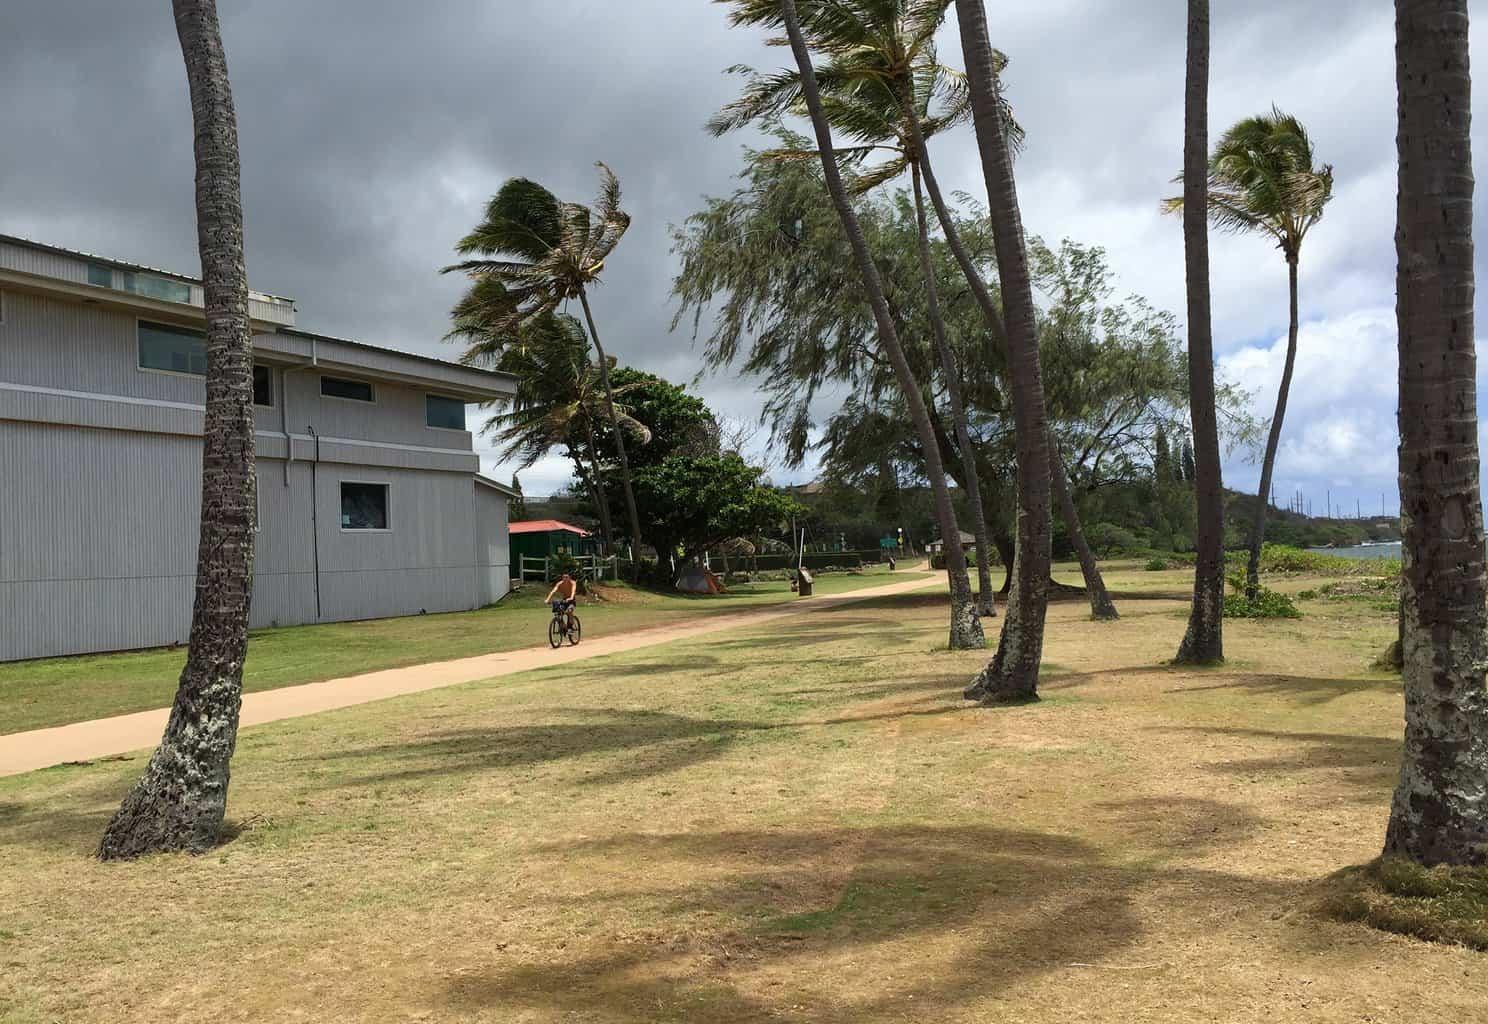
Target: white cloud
1339	430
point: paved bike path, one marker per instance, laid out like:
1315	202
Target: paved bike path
108	737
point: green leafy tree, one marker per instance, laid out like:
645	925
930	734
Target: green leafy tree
530	254
517	510
1264	179
694	502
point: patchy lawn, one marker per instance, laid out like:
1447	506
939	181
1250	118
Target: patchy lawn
56	691
798	822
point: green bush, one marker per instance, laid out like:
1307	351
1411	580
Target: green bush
1157	564
564	563
1283	558
1268	604
1307	595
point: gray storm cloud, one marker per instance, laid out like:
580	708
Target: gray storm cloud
373	130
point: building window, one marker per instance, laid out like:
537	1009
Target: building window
173	349
447	413
263	386
355	390
364	506
148	285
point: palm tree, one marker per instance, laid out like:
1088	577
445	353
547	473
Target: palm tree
1013	673
966	630
558	401
1439	815
541	253
179	801
1262	178
1203	643
881	74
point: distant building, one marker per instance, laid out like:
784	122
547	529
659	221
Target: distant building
547	538
967	543
370	503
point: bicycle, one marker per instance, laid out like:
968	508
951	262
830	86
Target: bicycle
558	631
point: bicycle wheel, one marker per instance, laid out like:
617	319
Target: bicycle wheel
573	631
555	632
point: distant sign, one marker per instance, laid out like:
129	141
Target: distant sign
885	543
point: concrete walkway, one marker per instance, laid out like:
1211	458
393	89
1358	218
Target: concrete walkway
108	737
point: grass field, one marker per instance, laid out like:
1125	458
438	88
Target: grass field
800	822
55	691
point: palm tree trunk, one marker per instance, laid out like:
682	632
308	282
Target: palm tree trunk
1013	673
1439	814
601	499
180	800
986	603
1094	584
1203	643
604	380
1101	606
966	629
1268	464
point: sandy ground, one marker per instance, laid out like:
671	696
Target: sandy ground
108	737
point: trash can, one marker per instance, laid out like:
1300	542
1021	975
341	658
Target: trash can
804	583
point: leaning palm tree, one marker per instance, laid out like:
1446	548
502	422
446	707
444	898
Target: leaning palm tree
966	630
1439	815
1263	178
880	73
528	256
1013	673
1203	642
558	401
179	801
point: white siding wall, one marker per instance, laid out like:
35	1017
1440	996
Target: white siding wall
492	545
99	498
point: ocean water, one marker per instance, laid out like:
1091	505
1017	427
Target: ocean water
1389	550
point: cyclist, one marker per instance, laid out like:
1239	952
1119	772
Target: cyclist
563	598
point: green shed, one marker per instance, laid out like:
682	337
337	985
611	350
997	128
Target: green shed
545	538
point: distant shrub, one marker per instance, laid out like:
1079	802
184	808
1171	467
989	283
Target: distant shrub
1107	538
564	563
1157	564
1283	558
1307	595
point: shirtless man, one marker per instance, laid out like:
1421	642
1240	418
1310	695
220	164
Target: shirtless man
562	598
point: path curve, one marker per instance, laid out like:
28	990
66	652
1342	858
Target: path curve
108	737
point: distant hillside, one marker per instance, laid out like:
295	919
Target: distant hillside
1284	527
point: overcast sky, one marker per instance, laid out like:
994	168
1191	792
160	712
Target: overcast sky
373	130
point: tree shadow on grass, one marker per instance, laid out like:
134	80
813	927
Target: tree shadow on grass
1310	691
652	743
764	924
1368	762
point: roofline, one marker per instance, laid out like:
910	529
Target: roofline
496	485
561	527
300	332
62	250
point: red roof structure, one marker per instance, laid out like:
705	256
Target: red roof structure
546	526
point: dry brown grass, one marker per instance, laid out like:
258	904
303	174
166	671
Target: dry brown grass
802	822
